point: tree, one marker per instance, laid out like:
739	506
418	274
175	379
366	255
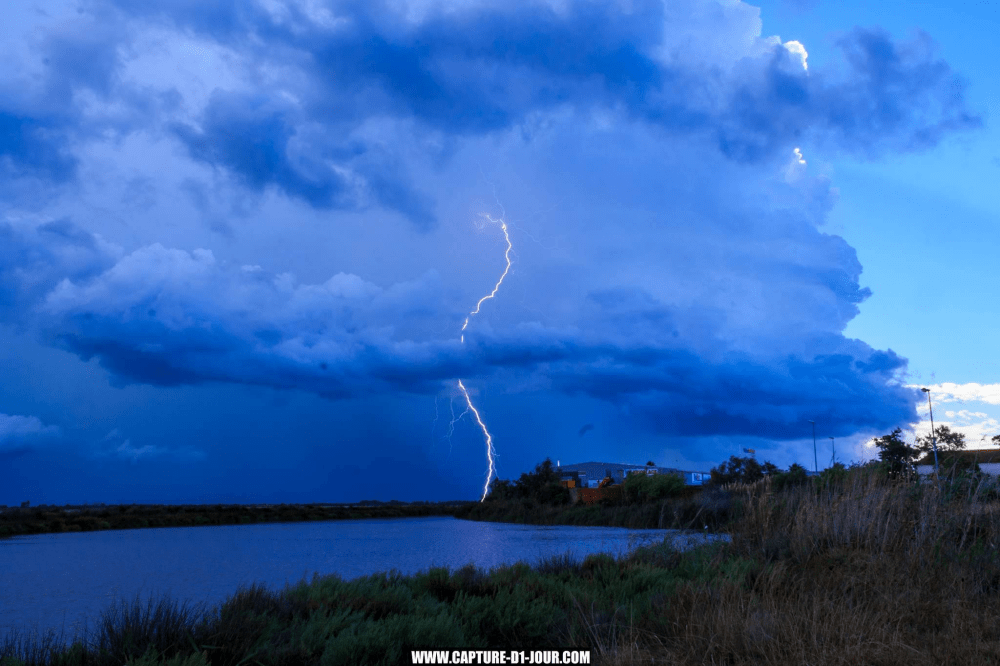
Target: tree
650	463
543	485
769	468
737	470
501	489
995	439
897	455
946	440
795	476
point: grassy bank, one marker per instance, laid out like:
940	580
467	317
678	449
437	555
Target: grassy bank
559	602
43	519
865	570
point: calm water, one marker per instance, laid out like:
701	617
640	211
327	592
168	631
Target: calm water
60	581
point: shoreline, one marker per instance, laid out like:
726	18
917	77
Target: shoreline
47	519
314	600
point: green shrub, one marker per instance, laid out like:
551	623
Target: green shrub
837	474
642	488
795	476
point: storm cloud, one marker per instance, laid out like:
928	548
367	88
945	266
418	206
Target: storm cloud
291	196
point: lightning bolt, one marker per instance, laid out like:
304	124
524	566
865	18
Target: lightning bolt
454	420
490	452
503	226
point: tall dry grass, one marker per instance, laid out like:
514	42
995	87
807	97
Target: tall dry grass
866	571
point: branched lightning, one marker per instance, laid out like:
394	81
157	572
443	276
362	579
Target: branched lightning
454	420
468	400
503	226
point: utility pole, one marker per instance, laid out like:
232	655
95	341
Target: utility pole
833	454
815	459
933	437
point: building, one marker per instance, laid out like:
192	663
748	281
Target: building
591	473
987	459
572	478
696	478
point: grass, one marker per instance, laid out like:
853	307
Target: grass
861	571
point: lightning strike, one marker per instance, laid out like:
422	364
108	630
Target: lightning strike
486	433
468	400
503	226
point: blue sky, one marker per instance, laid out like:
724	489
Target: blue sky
238	243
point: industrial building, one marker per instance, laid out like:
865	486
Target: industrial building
590	474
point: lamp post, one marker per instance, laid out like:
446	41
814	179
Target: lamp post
933	437
833	452
815	459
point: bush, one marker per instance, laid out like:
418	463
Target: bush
795	476
642	488
832	476
737	470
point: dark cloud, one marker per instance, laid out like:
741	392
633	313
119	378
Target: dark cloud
681	394
461	72
35	146
169	318
34	259
482	68
897	96
254	139
68	89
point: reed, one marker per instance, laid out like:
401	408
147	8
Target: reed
868	570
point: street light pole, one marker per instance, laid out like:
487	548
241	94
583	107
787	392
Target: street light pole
933	437
833	454
815	459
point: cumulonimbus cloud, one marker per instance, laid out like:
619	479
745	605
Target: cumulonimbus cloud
353	82
701	292
170	317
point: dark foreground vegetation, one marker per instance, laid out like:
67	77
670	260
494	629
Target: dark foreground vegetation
865	566
45	518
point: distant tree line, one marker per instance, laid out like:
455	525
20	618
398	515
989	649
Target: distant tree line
896	459
748	470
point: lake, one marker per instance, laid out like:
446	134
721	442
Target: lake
63	581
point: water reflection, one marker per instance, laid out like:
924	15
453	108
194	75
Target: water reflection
62	581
